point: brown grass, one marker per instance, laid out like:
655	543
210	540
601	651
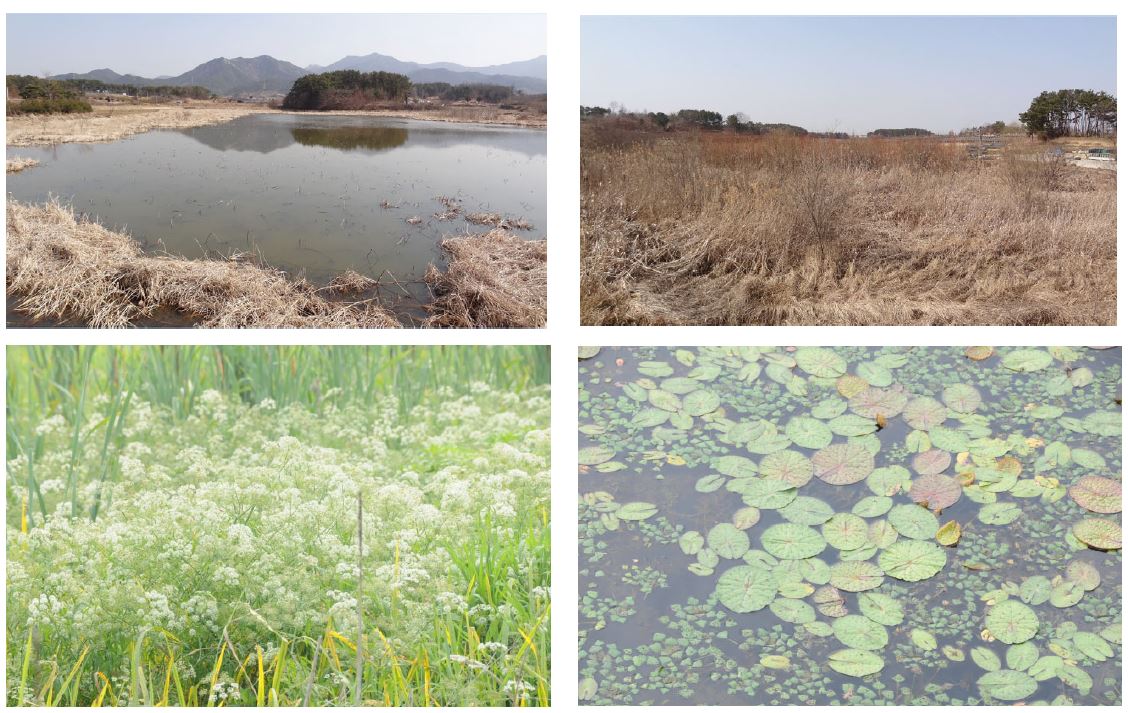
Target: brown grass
63	267
19	163
453	114
115	122
721	229
494	279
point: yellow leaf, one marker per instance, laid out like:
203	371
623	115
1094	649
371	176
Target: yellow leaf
979	353
675	459
949	534
777	662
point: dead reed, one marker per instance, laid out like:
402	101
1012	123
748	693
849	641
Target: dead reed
730	229
19	163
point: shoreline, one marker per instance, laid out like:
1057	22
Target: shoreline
106	124
64	268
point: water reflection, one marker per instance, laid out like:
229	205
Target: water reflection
351	138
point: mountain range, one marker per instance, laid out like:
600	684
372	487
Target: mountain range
265	73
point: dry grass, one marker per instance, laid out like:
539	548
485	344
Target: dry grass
112	123
494	279
19	163
454	114
63	267
726	229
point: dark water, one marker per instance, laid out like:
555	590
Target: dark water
306	192
670	642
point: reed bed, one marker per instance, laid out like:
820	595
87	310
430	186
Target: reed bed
278	526
111	124
727	229
19	163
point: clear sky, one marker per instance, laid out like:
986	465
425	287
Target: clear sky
852	74
152	45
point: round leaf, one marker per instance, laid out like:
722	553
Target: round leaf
746	589
913	560
1012	622
843	463
791	541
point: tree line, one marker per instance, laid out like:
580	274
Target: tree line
1071	112
30	87
899	133
352	89
44	96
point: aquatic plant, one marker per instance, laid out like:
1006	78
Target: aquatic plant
278	526
873	526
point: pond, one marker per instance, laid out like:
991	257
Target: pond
873	526
312	194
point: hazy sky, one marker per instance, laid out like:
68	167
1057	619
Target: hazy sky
851	74
151	45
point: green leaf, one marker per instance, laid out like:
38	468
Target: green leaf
856	663
818	361
856	576
809	432
844	531
1092	646
962	398
1012	622
872	506
728	541
788	466
736	466
792	541
881	608
986	659
650	417
1097	494
806	510
913	560
745	588
636	511
858	632
875	374
1035	590
691	542
1022	656
1098	533
699	403
1027	360
999	513
1006	685
594	455
843	463
665	400
709	483
923	639
914	522
793	611
924	413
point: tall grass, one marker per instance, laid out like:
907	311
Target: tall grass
717	228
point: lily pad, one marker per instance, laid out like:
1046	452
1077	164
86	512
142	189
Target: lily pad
1012	622
699	403
588	352
745	588
858	632
844	531
932	461
881	608
793	611
594	455
1027	360
925	413
1006	685
792	541
788	466
986	659
843	463
873	402
728	541
806	510
636	511
1022	656
856	576
856	662
1098	533
1096	493
936	492
949	533
913	560
821	362
809	432
914	521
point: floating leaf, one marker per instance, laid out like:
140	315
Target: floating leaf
829	601
1092	646
664	400
594	455
588	352
925	413
1089	459
1022	656
656	369
881	608
949	439
736	466
1103	423
1006	685
1097	494
913	560
923	639
806	510
1027	360
986	659
843	463
709	483
1066	593
789	466
962	398
852	425
691	542
763	493
844	531
872	506
979	353
952	653
856	576
875	374
809	432
858	632
636	511
588	687
745	588
821	362
914	521
948	534
1098	533
728	541
650	417
746	517
932	461
775	661
1035	590
1083	574
856	663
999	513
793	611
1012	622
874	402
699	403
792	541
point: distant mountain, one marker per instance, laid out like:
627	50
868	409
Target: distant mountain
264	73
530	75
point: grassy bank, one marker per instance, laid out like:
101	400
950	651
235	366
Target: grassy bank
112	123
278	526
62	267
457	114
493	279
728	229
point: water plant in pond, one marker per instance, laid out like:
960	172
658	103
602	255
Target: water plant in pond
871	526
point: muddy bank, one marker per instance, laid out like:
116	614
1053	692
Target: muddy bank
494	279
64	269
112	123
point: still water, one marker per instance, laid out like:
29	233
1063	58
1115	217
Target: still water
677	446
311	194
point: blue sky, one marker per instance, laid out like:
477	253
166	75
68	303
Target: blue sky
851	74
151	45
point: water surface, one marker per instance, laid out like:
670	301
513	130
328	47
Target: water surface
312	194
652	627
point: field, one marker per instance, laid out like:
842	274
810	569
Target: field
278	526
721	228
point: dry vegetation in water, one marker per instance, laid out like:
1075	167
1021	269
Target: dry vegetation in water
727	229
63	267
19	163
112	123
494	279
